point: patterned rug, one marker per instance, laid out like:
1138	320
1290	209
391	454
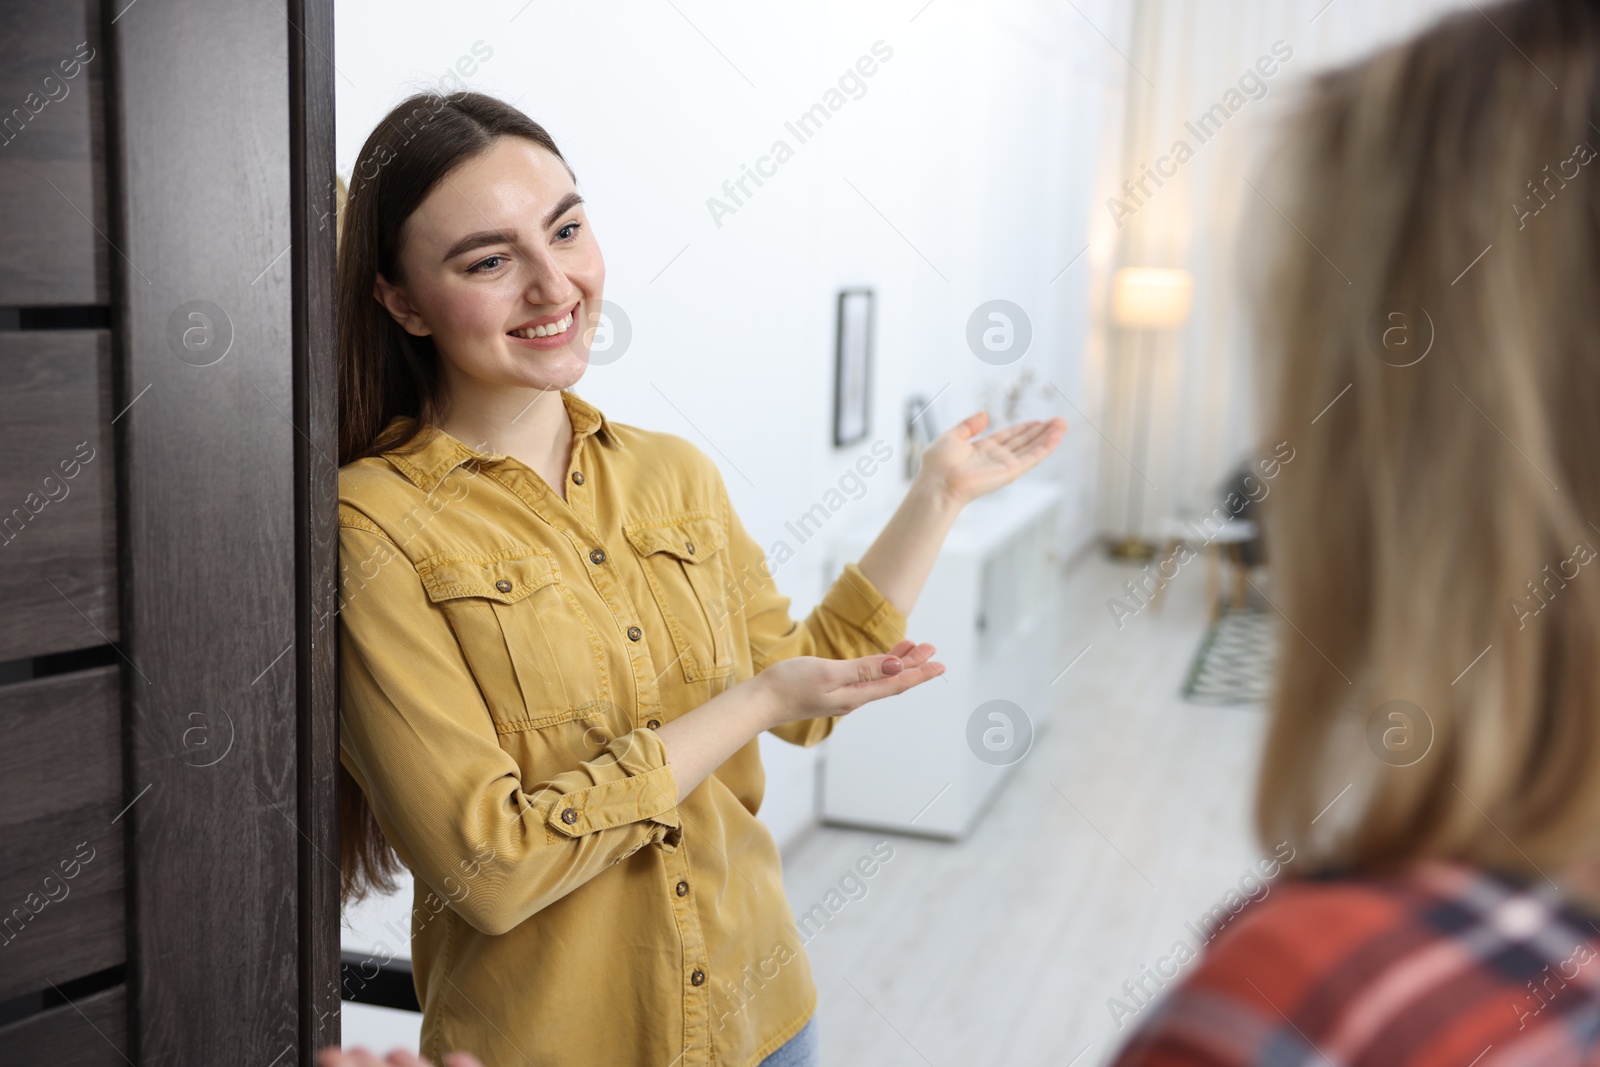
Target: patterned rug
1236	658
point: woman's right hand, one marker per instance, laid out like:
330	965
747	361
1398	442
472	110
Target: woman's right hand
811	687
801	687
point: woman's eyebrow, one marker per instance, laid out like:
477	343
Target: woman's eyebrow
566	204
495	237
478	240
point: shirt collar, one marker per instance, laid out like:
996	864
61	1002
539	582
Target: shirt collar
436	453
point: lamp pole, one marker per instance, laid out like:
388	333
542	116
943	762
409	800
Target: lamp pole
1133	546
1144	299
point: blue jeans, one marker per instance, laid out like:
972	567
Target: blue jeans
799	1051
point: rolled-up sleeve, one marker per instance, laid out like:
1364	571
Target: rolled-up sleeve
416	733
853	619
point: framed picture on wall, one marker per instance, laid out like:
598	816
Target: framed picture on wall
852	390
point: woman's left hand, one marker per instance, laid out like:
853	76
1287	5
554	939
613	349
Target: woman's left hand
964	466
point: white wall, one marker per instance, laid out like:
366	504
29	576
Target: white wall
965	172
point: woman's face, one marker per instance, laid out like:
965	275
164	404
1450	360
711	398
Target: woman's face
498	253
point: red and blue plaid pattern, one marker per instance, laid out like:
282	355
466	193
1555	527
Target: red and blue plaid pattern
1444	967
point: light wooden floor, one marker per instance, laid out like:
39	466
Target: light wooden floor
1126	820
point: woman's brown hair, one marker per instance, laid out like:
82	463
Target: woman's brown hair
383	370
1427	330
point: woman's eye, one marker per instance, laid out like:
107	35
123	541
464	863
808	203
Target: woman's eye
487	265
567	232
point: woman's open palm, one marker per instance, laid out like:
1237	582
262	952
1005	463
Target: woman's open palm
967	466
809	687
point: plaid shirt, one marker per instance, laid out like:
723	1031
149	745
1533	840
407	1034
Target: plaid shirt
1444	967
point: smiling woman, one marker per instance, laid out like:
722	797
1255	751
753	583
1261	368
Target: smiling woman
448	275
566	644
472	292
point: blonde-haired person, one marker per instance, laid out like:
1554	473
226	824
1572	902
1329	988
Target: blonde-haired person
1428	345
559	645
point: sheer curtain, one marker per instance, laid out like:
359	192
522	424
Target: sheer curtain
1205	81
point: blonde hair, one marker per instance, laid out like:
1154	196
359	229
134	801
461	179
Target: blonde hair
1428	327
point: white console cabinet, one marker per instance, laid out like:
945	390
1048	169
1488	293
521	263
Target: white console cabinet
907	764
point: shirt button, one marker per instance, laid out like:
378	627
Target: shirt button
577	477
634	633
653	723
597	556
690	546
569	816
504	585
683	889
698	977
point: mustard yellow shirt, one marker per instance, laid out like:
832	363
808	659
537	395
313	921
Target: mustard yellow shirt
505	658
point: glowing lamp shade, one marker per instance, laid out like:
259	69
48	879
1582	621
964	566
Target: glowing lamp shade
1150	297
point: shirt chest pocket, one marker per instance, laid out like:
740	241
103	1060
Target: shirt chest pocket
532	647
685	566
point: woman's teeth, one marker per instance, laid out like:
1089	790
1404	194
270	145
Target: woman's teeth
551	330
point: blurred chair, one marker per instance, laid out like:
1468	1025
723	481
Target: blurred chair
1234	544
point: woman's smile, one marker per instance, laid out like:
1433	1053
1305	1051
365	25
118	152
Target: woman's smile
547	331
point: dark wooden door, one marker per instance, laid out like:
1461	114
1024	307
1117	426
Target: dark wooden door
167	541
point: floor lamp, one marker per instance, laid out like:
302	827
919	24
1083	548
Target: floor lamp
1145	299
